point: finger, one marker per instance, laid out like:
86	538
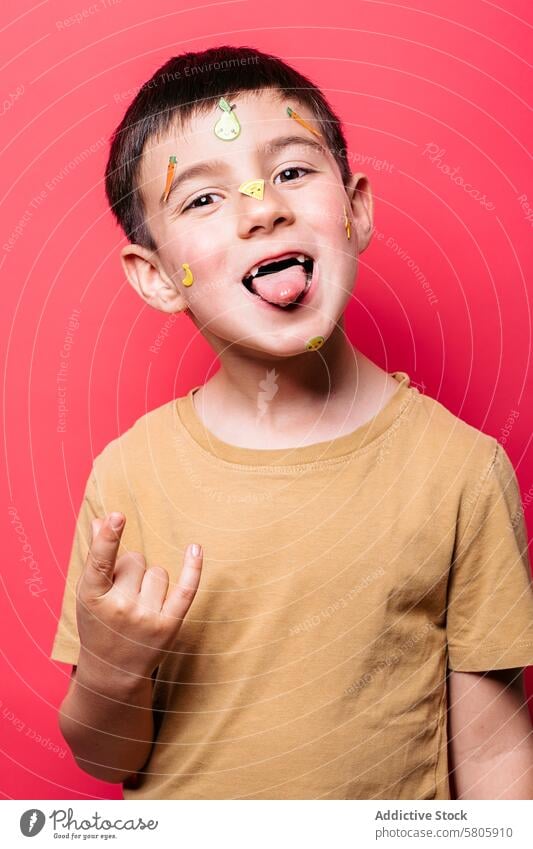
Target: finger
129	574
96	526
154	589
181	597
97	576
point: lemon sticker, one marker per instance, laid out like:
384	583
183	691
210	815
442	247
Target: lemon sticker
188	280
227	127
253	188
314	343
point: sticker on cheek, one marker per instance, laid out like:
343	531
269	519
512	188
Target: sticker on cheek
253	188
314	343
188	280
347	225
227	127
170	173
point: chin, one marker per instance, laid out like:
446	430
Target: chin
293	342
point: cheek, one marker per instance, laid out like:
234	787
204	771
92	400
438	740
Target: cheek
201	248
207	257
324	211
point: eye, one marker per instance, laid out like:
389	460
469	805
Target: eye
286	173
201	201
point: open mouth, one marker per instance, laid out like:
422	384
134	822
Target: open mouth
283	282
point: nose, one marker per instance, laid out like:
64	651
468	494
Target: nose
254	216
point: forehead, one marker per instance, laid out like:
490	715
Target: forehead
262	116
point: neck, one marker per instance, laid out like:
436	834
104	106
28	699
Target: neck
282	398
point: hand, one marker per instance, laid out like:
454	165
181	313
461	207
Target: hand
124	613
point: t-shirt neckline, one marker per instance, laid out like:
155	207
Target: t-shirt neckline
368	433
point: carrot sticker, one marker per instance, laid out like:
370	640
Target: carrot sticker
170	173
292	114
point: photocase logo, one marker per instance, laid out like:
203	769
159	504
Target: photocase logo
268	387
64	824
32	822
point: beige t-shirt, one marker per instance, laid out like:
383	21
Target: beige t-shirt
339	581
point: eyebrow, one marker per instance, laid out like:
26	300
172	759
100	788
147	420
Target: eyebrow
202	169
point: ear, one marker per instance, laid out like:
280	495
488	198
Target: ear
145	273
362	206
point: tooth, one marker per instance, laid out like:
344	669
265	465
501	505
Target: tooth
254	270
301	257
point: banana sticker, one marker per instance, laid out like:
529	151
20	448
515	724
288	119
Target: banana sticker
253	188
347	225
188	280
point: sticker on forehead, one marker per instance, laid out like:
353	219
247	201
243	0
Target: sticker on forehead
253	188
188	280
227	127
292	114
170	173
314	343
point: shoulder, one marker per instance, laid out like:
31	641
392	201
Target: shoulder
443	449
445	434
129	456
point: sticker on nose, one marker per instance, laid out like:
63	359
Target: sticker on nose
253	188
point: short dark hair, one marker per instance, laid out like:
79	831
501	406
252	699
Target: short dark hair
190	84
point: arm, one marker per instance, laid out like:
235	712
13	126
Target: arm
127	620
108	725
491	741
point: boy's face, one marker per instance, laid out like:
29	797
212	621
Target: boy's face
222	233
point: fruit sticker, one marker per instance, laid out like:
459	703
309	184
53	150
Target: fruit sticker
314	343
347	225
188	280
227	127
253	188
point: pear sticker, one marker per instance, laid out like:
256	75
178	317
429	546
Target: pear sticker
227	127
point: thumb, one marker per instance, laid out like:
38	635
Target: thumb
97	577
96	525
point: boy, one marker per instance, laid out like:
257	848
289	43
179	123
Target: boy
363	576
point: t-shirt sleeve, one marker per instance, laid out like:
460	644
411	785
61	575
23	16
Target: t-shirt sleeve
107	489
66	642
490	593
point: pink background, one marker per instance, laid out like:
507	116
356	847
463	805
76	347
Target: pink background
443	72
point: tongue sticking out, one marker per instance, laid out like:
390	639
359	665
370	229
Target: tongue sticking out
280	287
